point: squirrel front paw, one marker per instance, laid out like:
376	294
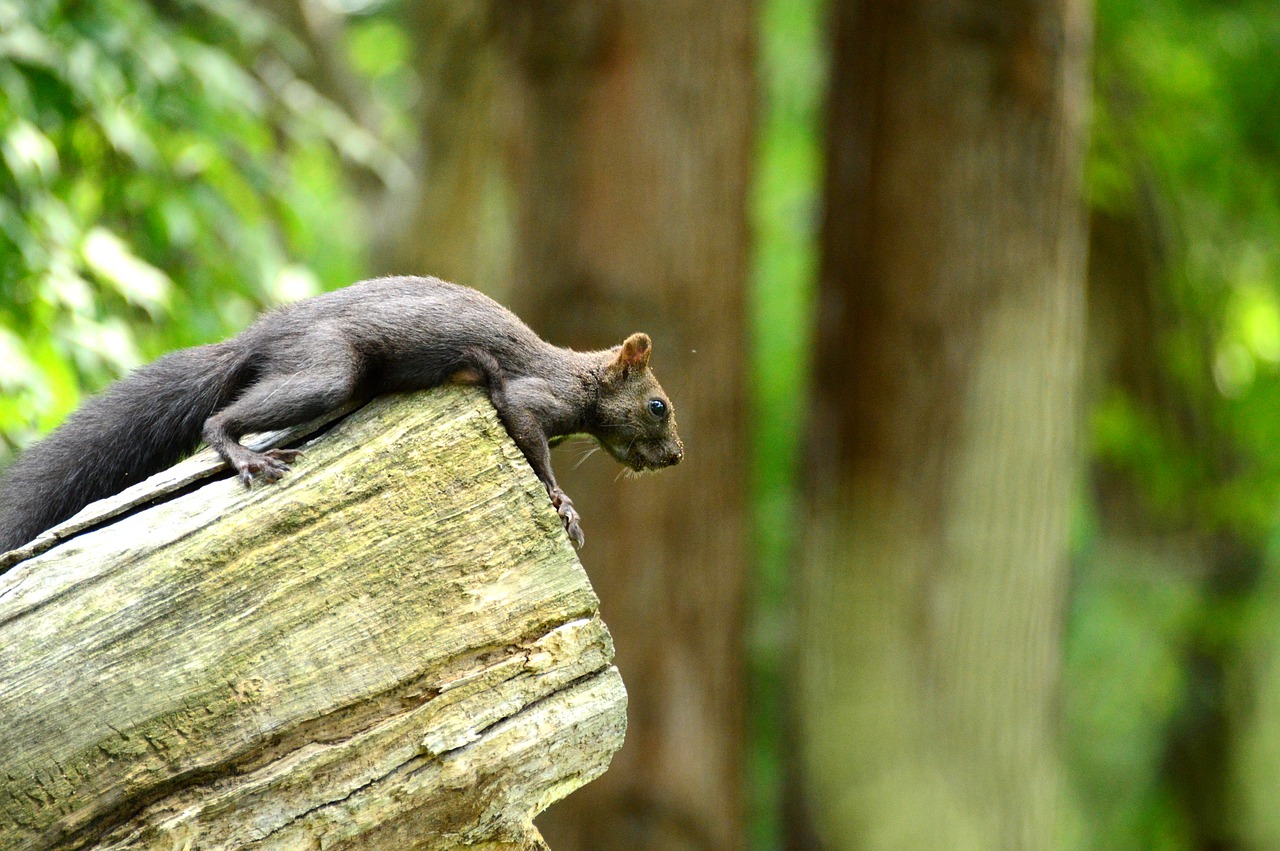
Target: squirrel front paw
568	514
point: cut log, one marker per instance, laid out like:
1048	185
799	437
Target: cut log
393	647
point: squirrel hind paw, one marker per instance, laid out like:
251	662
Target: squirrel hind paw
269	466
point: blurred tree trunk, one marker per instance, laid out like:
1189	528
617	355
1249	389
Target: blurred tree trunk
452	222
942	445
632	157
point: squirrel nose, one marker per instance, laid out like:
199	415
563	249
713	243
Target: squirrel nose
675	457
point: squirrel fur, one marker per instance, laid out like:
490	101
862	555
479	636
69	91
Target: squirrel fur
310	357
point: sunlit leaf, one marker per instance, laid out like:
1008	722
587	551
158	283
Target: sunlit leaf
139	282
17	371
126	135
108	344
294	282
226	84
22	42
29	153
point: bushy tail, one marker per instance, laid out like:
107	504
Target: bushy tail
138	426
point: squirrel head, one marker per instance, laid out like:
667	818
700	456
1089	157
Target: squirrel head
635	421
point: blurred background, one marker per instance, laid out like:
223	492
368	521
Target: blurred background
970	311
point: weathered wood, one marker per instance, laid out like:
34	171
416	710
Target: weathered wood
394	647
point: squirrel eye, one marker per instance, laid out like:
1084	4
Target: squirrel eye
657	407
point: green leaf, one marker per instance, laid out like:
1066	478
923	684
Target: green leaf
141	284
30	155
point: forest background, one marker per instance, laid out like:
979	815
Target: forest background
977	545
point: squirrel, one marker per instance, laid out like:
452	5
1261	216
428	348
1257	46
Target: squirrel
310	357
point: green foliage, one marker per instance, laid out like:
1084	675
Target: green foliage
785	212
164	174
1187	139
1124	680
786	209
1176	597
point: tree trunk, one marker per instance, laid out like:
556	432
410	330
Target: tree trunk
948	352
394	647
453	220
633	144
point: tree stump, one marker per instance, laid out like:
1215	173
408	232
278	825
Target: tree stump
393	647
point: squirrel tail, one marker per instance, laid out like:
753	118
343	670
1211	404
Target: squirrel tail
138	426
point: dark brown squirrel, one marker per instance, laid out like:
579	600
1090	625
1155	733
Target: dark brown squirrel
313	356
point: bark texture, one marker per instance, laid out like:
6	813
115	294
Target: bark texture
632	146
394	647
948	352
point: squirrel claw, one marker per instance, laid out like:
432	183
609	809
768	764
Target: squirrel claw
568	514
575	533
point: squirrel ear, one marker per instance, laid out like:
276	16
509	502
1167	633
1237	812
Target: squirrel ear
634	353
